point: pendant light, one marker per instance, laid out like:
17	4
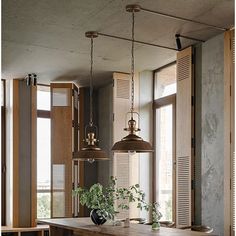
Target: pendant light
132	142
91	152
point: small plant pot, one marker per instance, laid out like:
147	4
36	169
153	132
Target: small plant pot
97	220
156	226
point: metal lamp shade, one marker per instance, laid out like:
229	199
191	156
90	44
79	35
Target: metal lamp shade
91	152
130	143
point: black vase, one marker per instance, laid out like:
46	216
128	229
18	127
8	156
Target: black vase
97	220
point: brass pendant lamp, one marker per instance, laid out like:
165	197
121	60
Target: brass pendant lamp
132	142
91	152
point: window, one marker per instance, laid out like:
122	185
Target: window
164	110
165	81
43	152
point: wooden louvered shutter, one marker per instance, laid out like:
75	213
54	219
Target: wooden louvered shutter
121	104
184	157
125	168
229	133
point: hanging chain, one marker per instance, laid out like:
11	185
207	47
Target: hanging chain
91	84
132	67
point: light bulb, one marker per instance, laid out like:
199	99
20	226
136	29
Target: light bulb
90	160
131	153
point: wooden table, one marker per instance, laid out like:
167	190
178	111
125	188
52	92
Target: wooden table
85	227
39	230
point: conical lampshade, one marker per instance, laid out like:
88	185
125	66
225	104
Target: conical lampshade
132	142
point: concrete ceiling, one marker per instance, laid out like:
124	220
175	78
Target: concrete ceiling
46	37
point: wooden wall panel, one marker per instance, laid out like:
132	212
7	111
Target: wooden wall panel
15	220
34	156
24	155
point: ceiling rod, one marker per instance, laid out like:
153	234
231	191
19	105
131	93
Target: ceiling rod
191	38
182	19
136	41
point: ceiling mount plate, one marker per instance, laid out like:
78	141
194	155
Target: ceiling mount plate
133	8
91	34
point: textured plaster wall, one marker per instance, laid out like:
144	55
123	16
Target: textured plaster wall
212	126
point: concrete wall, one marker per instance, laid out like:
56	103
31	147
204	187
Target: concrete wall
198	135
90	170
105	123
146	125
210	120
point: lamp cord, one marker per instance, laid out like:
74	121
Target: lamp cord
132	68
91	84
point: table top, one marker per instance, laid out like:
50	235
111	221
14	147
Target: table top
84	224
6	229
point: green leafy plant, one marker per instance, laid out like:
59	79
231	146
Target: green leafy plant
103	198
156	214
153	207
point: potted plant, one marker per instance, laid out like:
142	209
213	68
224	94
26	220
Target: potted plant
101	200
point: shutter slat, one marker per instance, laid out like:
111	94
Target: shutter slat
183	138
123	88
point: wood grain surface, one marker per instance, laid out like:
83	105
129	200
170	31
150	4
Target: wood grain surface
84	226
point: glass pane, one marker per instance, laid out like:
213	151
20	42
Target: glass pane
43	166
165	81
43	153
43	205
60	97
58	190
58	204
164	154
43	99
58	177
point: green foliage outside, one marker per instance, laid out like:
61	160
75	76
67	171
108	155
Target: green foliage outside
43	206
168	209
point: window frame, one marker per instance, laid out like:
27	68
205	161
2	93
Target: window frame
158	103
45	114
